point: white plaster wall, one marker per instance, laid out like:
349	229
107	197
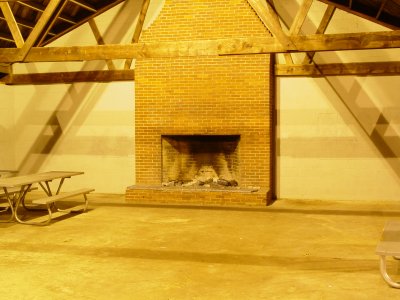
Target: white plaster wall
7	145
325	150
84	126
339	137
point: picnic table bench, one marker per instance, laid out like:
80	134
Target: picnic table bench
389	245
50	202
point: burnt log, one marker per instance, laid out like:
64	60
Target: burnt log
233	182
223	182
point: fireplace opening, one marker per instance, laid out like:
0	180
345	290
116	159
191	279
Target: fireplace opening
200	161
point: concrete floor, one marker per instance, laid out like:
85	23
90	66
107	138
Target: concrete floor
290	250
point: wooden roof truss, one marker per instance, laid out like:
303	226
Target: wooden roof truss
32	25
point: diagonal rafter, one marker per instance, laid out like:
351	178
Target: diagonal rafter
50	25
37	30
138	29
100	41
297	24
330	10
300	17
268	16
287	56
381	9
12	24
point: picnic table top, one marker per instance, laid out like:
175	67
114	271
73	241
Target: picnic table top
37	177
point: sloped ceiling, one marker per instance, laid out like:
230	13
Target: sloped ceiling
68	15
384	12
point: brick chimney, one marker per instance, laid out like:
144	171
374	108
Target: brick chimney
216	97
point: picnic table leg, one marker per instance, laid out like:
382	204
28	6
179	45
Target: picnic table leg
10	206
46	188
24	190
60	185
48	191
35	223
53	205
20	200
75	210
385	275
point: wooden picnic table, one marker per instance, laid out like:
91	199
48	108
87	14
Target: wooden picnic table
15	189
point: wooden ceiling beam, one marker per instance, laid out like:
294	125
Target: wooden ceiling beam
354	69
357	69
303	43
12	24
69	77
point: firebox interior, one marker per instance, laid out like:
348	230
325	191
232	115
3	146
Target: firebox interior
200	159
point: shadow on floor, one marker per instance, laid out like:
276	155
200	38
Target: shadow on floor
306	263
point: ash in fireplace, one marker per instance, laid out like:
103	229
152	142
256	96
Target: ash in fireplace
205	177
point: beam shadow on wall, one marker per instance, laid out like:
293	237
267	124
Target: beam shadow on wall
373	122
69	106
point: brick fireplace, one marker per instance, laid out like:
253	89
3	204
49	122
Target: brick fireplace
203	124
